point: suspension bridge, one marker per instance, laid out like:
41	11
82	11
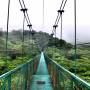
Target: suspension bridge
41	73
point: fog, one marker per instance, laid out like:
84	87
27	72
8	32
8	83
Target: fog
35	12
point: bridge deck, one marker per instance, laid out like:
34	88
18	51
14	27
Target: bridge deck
41	80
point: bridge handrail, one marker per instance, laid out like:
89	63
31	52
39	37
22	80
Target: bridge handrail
72	75
18	77
16	69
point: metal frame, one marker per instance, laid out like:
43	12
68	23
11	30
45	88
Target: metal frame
18	78
70	81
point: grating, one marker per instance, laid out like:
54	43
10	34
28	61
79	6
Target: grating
40	82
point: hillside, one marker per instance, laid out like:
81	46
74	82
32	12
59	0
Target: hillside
32	45
59	50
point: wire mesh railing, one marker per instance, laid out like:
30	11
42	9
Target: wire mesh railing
19	78
63	79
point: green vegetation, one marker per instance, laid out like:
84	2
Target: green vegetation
15	56
59	50
66	58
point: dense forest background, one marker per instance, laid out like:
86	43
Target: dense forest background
57	49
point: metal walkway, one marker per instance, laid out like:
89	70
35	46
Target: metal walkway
41	80
23	77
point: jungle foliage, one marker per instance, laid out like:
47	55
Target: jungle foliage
57	49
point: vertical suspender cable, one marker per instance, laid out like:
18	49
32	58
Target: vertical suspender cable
7	30
24	10
29	37
55	26
61	27
75	33
29	34
55	39
42	24
30	28
54	29
43	12
23	36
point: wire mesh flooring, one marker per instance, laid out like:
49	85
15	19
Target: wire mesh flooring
41	80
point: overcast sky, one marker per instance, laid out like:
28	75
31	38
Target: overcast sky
35	12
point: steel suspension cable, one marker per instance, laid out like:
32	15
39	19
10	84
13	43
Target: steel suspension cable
28	18
42	23
64	5
26	12
61	27
28	24
23	36
54	29
61	8
75	26
30	29
56	19
55	39
23	3
58	14
43	12
20	4
23	8
7	30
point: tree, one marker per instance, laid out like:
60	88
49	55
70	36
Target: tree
17	34
1	32
62	43
68	47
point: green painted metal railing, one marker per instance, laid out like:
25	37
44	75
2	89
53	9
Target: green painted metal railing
19	78
62	79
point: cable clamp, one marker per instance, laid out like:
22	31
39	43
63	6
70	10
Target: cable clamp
24	10
60	11
29	25
55	26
